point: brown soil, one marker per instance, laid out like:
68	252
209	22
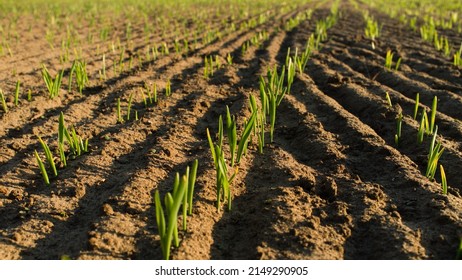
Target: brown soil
333	185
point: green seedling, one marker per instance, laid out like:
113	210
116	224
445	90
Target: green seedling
290	74
388	60
2	98
446	47
387	96
61	134
168	229
321	30
433	114
435	152
243	142
416	106
399	122
260	120
145	100
398	63
424	127
16	94
81	77
168	89
301	60
457	57
444	183
191	184
220	132
154	93
76	144
208	67
232	134
53	85
223	182
49	156
229	59
184	204
29	95
42	168
372	30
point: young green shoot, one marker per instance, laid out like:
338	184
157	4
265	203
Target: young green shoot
229	59
389	61
76	144
16	94
399	122
42	168
444	183
49	156
458	57
223	189
61	134
416	106
191	184
424	127
435	152
243	142
154	93
260	121
53	85
168	229
372	30
2	99
81	76
387	97
232	134
433	114
290	74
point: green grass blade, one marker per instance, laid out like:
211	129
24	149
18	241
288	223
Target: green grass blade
416	106
191	184
2	98
272	110
444	182
71	75
433	114
61	128
220	132
160	220
16	94
387	96
232	134
42	169
212	147
49	157
185	199
242	146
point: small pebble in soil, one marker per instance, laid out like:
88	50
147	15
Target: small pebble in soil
108	209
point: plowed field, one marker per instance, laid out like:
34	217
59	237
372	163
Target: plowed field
332	185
